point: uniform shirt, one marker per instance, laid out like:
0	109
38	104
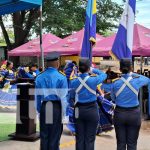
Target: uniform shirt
3	72
37	72
22	73
51	85
84	95
149	99
9	74
1	81
127	98
106	87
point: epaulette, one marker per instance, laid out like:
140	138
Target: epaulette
99	86
40	73
115	79
93	75
72	78
135	77
62	73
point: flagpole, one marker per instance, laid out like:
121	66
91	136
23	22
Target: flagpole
91	54
41	46
89	30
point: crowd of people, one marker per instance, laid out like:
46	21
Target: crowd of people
92	101
87	101
9	74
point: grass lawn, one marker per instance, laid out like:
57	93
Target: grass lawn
7	125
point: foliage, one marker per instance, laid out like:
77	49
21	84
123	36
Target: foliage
63	17
60	17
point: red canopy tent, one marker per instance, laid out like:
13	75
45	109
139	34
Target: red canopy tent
141	43
103	47
32	48
70	45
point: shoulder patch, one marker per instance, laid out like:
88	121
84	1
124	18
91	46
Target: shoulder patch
115	79
93	75
62	73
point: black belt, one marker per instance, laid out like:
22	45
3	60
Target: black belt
57	101
127	108
85	104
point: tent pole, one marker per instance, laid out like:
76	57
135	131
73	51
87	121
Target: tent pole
133	63
41	47
141	64
141	90
38	63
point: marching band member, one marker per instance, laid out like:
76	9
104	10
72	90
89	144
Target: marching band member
105	107
51	92
127	117
86	109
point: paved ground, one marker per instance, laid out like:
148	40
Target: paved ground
103	142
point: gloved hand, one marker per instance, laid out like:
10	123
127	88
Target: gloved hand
91	70
65	120
103	95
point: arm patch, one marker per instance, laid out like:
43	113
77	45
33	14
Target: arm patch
62	73
93	75
114	80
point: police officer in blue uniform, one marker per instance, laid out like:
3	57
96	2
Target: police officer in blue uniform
51	92
127	117
86	109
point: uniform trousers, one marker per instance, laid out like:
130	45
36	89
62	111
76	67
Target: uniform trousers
86	122
127	124
50	125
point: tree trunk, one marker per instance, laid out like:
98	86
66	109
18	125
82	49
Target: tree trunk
5	34
22	26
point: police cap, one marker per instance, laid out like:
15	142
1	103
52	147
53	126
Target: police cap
52	56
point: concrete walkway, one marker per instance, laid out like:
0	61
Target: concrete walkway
103	142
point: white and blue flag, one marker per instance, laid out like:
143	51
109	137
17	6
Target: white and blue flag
122	47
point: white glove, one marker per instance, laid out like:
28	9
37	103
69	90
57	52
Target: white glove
91	70
65	120
103	95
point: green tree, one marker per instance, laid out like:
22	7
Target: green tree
108	15
22	24
60	17
64	16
